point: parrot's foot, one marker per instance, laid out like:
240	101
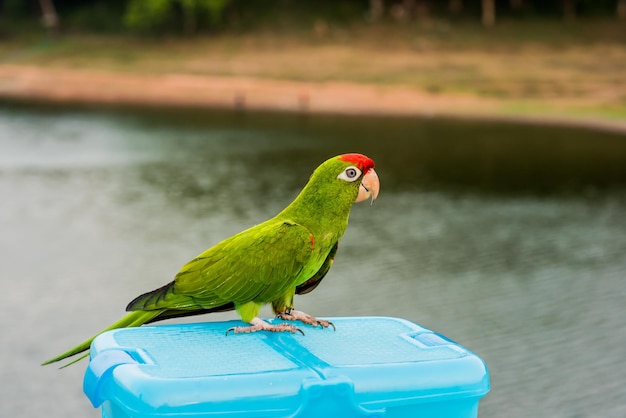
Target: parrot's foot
258	324
293	315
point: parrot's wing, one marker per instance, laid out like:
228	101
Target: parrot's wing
258	264
312	283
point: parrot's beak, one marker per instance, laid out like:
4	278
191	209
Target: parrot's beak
369	187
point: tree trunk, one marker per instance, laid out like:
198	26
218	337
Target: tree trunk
455	6
516	4
489	13
421	9
377	9
621	9
410	8
50	19
190	22
569	9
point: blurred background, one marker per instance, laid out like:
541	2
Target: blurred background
135	134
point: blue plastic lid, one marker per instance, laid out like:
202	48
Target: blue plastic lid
367	365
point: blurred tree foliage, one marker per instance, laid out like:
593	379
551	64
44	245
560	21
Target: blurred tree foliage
194	16
159	15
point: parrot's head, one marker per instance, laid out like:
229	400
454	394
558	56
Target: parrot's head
343	180
359	169
334	186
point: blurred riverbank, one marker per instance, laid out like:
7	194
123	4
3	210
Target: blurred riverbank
538	72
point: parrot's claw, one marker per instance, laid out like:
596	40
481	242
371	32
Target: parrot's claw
293	315
260	325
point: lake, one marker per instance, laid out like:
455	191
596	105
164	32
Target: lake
507	238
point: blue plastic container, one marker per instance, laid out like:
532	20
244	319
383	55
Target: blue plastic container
368	367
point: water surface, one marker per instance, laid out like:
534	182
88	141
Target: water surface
509	239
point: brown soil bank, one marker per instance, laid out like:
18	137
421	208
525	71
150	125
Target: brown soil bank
74	86
538	73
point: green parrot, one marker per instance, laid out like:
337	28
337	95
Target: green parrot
268	263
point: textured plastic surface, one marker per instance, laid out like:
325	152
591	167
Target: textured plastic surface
368	367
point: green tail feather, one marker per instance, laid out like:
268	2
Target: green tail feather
133	319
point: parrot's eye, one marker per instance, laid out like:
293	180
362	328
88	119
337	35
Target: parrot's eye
350	174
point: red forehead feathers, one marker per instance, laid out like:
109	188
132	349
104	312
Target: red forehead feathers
361	161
